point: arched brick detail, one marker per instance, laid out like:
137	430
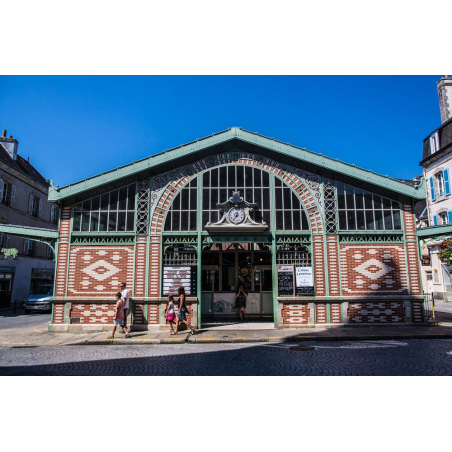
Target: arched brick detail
279	170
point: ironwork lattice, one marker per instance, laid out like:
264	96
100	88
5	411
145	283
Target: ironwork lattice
103	240
293	255
143	207
177	256
329	197
371	238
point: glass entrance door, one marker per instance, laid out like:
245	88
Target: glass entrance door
225	267
263	283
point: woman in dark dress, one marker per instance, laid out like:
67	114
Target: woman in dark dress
183	311
241	302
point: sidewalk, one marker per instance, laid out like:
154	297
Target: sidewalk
33	334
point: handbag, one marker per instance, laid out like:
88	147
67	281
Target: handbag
184	309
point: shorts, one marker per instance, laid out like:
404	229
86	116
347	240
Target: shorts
119	322
182	315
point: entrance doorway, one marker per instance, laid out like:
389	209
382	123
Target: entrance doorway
227	266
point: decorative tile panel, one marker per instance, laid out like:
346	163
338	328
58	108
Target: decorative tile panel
373	270
98	270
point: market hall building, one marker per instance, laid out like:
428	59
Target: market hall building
313	240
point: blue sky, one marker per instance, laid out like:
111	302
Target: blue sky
75	127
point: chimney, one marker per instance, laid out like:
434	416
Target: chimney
10	144
445	98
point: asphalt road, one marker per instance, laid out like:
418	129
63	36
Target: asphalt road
20	320
412	357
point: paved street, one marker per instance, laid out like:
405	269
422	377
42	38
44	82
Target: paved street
412	357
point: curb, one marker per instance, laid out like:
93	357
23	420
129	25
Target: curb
132	341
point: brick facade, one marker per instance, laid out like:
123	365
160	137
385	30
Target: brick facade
369	277
296	314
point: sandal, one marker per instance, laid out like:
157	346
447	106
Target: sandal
127	335
110	337
192	332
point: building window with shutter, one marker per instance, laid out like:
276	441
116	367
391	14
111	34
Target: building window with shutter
29	247
54	214
6	191
33	205
434	143
440	184
442	217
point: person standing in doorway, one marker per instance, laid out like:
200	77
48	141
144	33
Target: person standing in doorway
241	302
183	311
125	297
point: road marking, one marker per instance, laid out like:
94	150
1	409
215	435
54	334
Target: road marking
114	339
274	337
207	338
240	337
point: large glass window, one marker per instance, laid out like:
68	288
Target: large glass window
359	210
183	211
111	212
290	215
219	184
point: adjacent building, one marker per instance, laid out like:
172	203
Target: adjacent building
437	171
24	263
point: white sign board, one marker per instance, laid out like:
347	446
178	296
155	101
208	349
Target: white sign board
304	276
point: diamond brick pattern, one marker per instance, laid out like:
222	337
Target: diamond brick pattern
373	270
378	312
99	313
98	270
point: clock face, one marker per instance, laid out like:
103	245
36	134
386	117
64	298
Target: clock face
236	215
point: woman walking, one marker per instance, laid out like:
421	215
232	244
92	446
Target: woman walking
241	302
170	314
183	311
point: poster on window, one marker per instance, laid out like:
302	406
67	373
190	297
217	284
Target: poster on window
285	280
304	281
174	277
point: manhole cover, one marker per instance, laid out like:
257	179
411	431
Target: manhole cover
300	348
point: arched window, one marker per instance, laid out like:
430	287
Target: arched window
183	211
219	183
290	215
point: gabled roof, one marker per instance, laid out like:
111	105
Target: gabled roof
23	166
182	155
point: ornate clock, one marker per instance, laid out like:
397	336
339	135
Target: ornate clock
235	216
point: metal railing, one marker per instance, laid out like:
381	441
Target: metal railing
429	308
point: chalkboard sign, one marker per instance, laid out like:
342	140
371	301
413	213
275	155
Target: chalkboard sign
285	280
305	291
174	277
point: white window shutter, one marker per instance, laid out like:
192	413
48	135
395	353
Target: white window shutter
30	204
13	195
40	208
2	186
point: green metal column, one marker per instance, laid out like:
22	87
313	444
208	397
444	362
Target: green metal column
199	229
273	233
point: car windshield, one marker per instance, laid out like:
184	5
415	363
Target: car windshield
43	290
